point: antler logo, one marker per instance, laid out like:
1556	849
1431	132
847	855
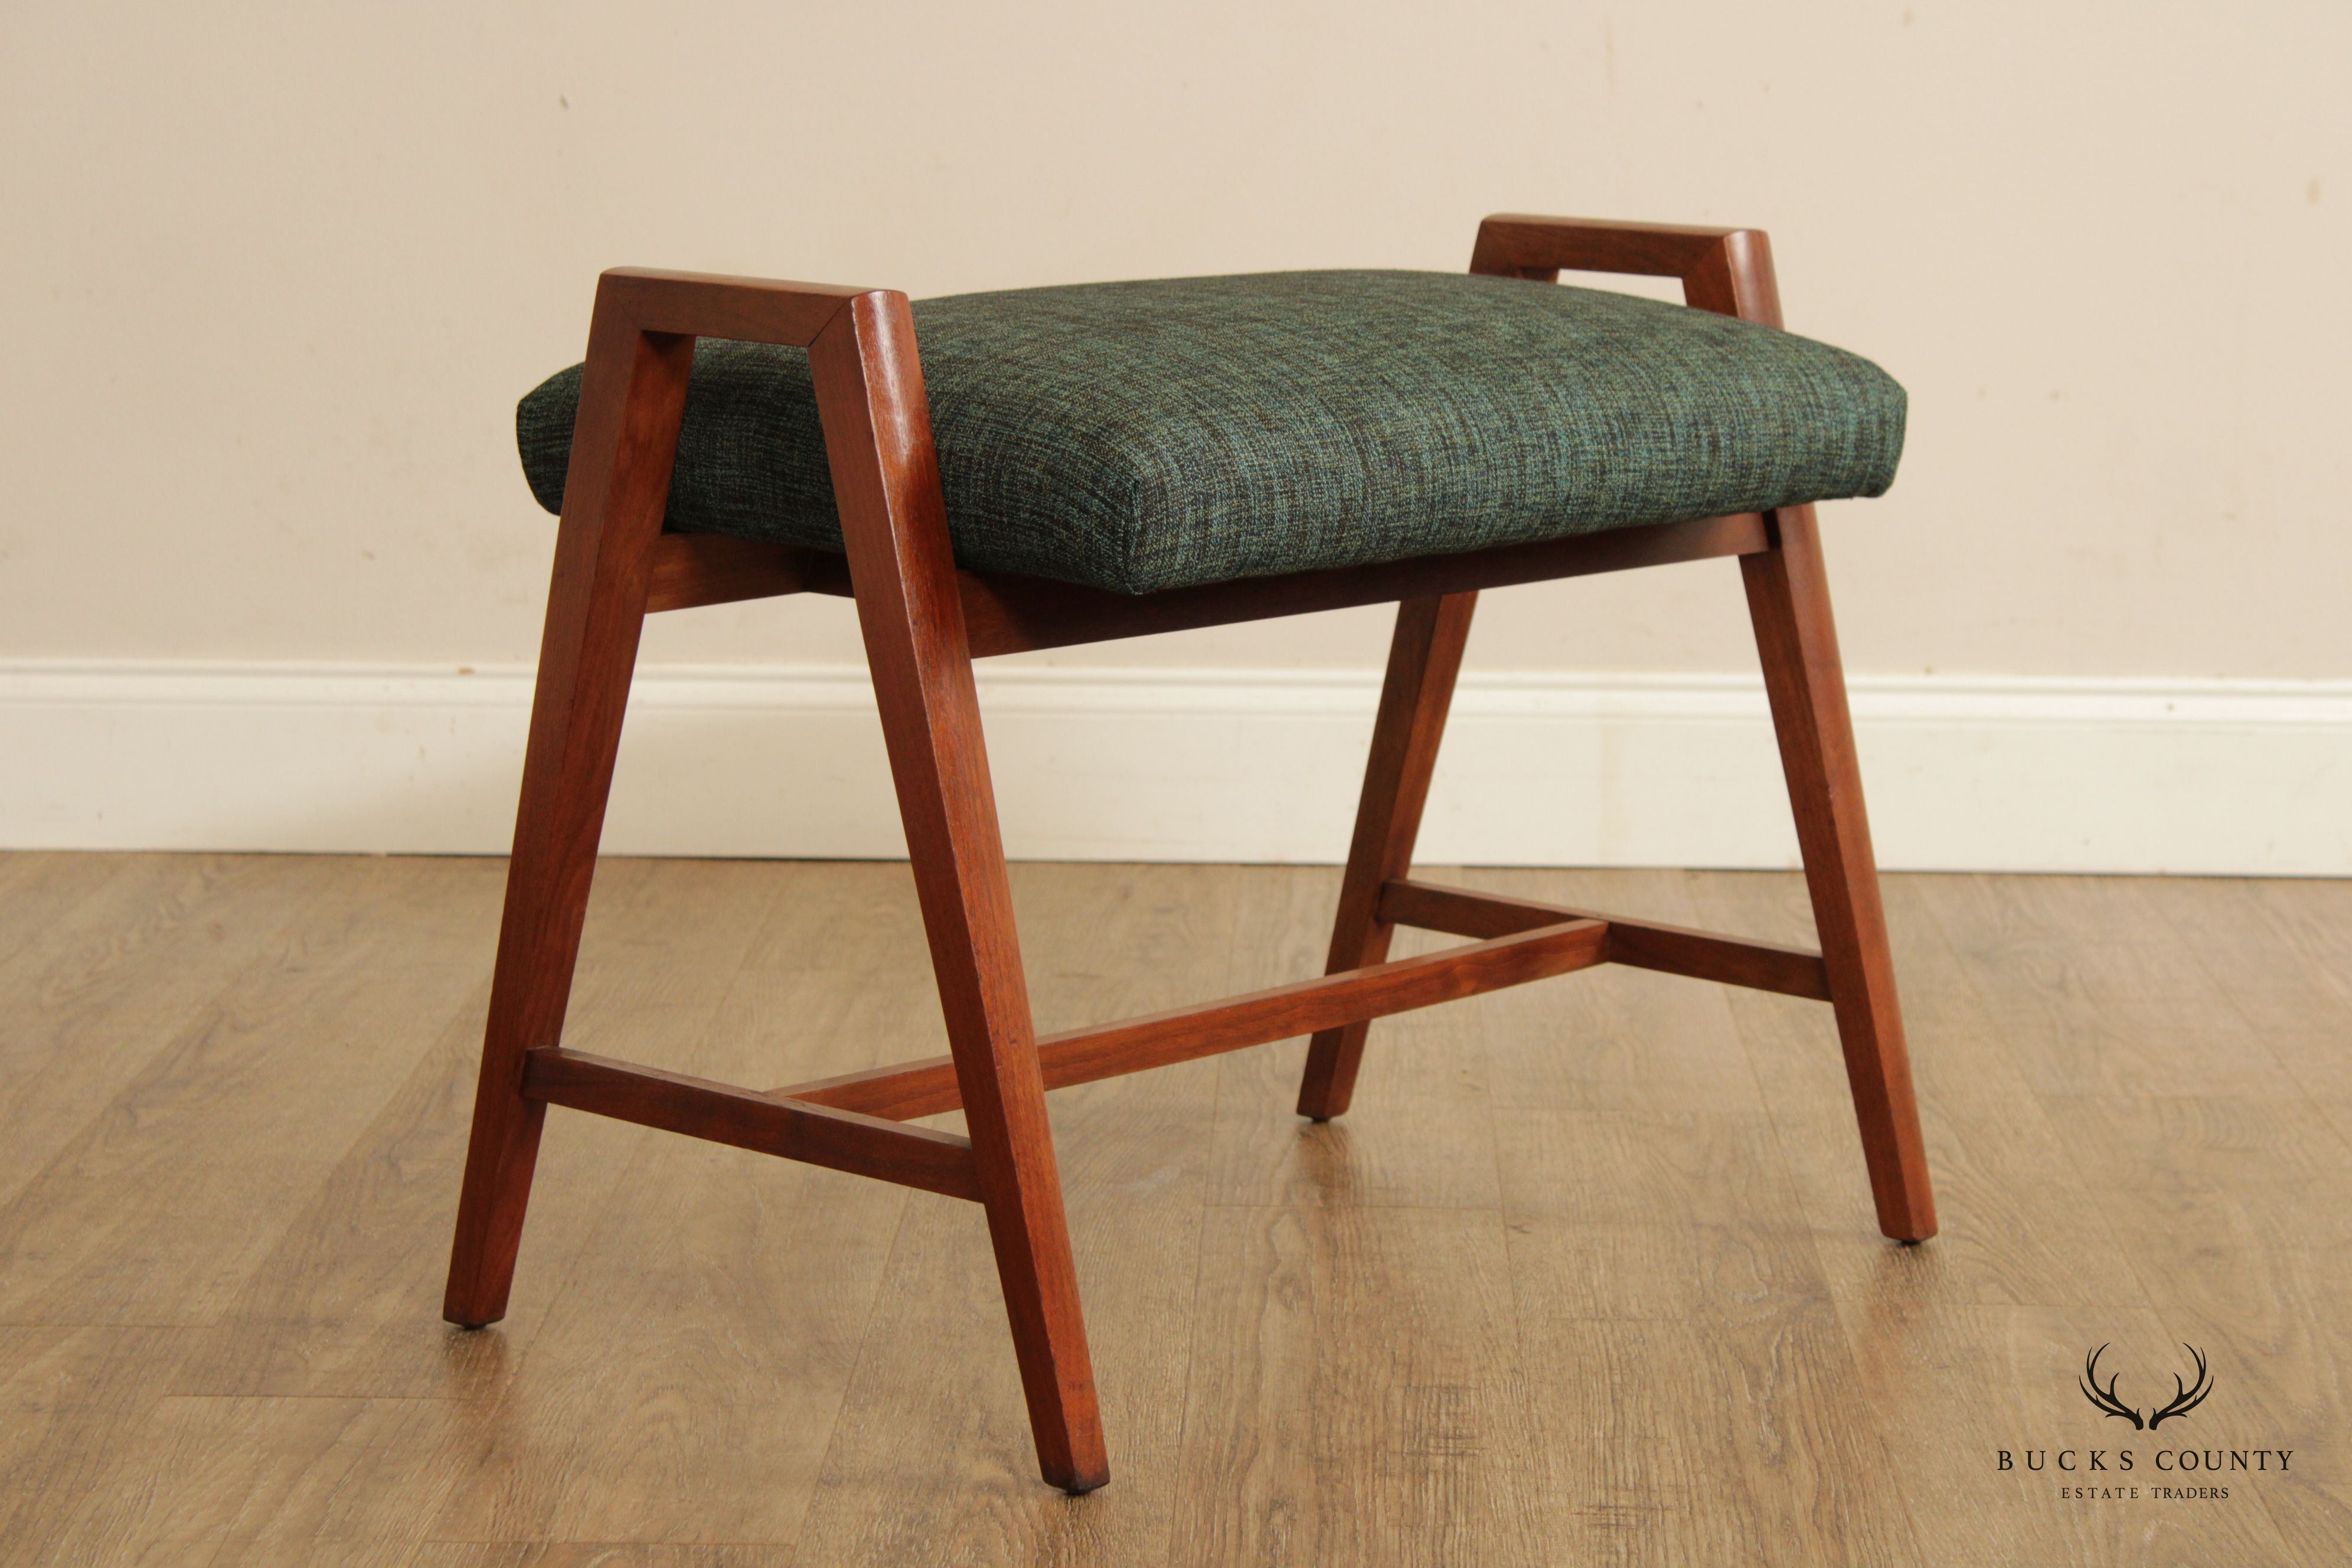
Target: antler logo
2186	1397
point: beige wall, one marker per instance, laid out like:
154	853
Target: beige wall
274	275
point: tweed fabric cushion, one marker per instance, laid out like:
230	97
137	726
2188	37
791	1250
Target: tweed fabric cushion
1138	437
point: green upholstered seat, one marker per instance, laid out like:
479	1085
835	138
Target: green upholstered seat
1138	437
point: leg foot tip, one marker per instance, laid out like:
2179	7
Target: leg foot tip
471	1317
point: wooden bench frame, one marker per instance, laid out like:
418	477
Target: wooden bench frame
924	622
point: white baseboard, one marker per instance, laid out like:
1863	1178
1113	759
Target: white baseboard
1094	764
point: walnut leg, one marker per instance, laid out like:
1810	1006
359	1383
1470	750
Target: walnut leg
1789	599
885	474
622	446
1425	657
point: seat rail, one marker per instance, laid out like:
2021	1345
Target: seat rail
1016	615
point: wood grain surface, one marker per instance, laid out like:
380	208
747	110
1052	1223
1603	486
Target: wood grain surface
1590	1273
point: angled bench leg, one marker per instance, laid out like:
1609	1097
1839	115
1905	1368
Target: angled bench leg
631	401
886	480
1425	657
1788	600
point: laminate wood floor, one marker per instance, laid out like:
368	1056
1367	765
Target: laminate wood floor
1587	1276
